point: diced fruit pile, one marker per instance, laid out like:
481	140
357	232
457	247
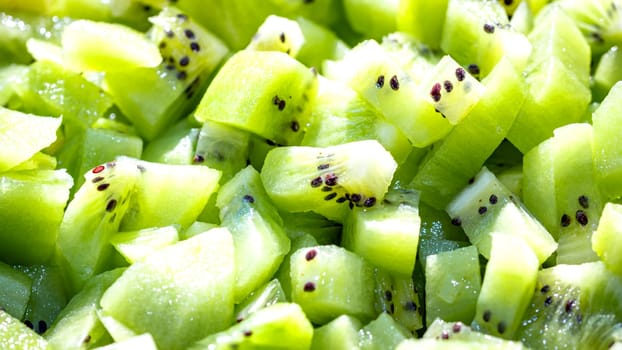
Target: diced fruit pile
310	174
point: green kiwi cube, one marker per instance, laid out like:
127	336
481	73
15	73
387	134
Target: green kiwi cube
373	19
180	293
382	333
77	325
144	341
16	335
398	296
168	194
384	84
539	185
136	245
606	240
92	217
339	115
460	155
328	281
175	146
279	326
508	285
339	334
453	283
486	206
101	46
386	236
477	34
257	229
15	290
277	108
302	241
423	20
606	144
328	180
23	135
278	34
320	44
32	203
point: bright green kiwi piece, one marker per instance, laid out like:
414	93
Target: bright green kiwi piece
277	108
258	235
607	239
197	300
339	334
606	145
382	333
32	203
328	281
459	156
507	287
92	217
328	180
608	72
486	206
262	297
387	235
452	286
279	326
283	274
23	135
101	46
278	33
175	146
423	20
373	19
137	245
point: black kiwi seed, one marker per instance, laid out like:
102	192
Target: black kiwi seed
482	210
392	308
195	47
182	75
169	67
282	37
545	289
330	196
29	324
548	301
435	92
471	180
457	327
103	187
326	189
460	74
410	306
350	205
247	333
486	316
456	221
162	45
111	205
565	220
281	105
448	85
189	34
322	166
501	327
355	197
473	69
198	158
369	202
182	17
316	182
311	254
330	180
493	199
583	202
380	81
184	61
444	335
248	198
169	33
388	295
97	179
86	339
98	169
294	126
581	217
341	199
307	1
43	326
309	287
276	99
395	84
489	28
508	2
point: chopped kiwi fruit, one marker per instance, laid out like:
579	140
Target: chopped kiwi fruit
16	335
340	333
330	180
198	300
